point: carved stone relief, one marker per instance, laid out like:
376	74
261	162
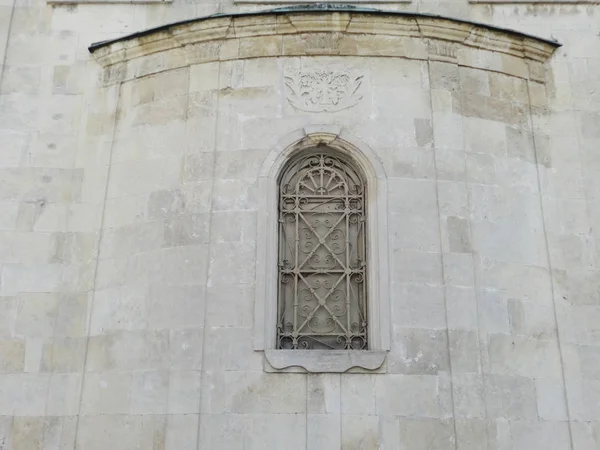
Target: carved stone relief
323	90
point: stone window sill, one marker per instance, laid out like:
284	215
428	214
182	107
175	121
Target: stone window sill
325	361
96	2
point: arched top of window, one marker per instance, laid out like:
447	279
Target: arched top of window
322	264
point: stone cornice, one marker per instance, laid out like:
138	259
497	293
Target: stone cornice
320	30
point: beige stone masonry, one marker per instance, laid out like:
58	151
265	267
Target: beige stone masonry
343	33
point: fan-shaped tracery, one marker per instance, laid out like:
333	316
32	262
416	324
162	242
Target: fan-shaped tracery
322	255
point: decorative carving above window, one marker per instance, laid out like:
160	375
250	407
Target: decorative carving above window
322	300
323	90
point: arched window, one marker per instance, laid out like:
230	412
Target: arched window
322	278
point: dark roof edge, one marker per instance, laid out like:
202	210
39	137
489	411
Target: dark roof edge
316	8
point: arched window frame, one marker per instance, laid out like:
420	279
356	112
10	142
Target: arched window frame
378	302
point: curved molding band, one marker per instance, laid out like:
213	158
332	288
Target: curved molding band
324	361
319	30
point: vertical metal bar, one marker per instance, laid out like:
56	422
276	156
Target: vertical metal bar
348	305
297	239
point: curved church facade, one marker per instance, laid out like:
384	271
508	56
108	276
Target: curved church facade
242	225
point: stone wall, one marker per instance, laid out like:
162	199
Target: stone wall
129	199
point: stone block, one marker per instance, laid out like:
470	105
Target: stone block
258	392
8	308
106	393
471	434
443	75
585	435
474	80
204	77
119	309
12	355
198	166
27	433
511	397
174	307
492	310
230	305
121	431
165	204
63	354
520	144
427	434
239	164
423	132
358	394
189	229
583	397
202	105
9	218
406	103
551	435
261	72
450	164
512	173
128	240
185	349
182	432
21	79
509	88
23	394
129	350
149	392
147	142
516	355
213	386
231	349
469	395
323	393
456	235
232	262
551	399
255	431
64	394
164	85
224	430
453	199
448	135
577	287
408	395
418	351
150	175
405	162
417	267
184	392
323	431
22	278
414	232
360	432
72	315
418	306
531	319
518	280
461	308
59	432
485	136
238	226
172	266
234	195
197	197
464	351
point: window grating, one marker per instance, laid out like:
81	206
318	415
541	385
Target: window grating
322	255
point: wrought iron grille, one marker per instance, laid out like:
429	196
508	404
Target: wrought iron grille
322	256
